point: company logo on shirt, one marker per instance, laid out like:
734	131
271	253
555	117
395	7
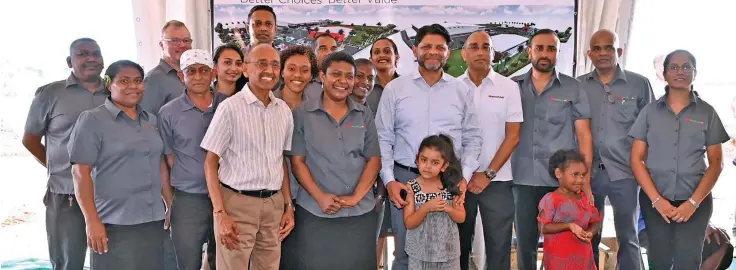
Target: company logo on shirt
688	119
558	99
492	96
356	126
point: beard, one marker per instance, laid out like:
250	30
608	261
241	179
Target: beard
549	67
424	65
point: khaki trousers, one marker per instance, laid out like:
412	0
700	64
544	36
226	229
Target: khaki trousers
257	220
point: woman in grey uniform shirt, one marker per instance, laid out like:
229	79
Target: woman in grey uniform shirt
117	164
671	137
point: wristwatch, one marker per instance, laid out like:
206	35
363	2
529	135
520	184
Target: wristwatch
490	173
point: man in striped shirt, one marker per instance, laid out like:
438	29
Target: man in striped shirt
245	169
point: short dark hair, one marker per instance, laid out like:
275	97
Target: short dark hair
114	68
393	44
562	159
432	29
337	57
363	61
314	41
264	8
300	50
667	60
77	41
227	46
545	31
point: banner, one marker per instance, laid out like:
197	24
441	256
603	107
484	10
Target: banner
357	23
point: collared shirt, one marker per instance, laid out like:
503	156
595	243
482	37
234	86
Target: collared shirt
125	156
162	84
250	139
313	90
336	152
610	122
182	126
677	143
53	113
497	102
549	125
375	96
410	110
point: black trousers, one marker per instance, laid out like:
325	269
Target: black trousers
139	247
191	227
526	201
65	232
496	205
677	246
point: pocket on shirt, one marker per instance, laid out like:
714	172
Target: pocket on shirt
557	112
625	112
697	136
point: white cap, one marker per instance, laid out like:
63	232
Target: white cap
195	56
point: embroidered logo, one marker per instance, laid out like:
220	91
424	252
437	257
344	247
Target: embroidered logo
558	99
492	96
688	119
356	126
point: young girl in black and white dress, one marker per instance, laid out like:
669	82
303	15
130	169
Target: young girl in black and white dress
435	207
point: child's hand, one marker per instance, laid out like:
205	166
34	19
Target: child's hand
579	232
435	205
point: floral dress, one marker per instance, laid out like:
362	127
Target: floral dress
435	244
564	250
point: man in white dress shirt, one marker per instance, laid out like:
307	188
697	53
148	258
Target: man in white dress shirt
498	104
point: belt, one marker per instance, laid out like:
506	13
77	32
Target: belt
263	193
411	169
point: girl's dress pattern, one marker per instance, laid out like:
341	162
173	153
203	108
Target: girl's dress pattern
435	244
564	250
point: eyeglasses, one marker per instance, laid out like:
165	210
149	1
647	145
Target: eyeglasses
475	48
264	64
178	40
609	96
676	68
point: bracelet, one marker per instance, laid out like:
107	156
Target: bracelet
693	202
656	200
289	204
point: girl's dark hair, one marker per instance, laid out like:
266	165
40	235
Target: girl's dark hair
300	50
667	60
562	159
114	68
452	176
393	44
227	46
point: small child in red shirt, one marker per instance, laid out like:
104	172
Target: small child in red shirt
567	217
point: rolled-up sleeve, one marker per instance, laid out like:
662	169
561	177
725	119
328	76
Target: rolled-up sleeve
85	141
370	147
218	135
298	143
581	107
640	127
471	137
385	130
38	115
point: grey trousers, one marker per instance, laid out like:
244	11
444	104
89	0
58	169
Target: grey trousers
526	202
65	232
623	195
676	246
191	227
138	247
496	204
401	259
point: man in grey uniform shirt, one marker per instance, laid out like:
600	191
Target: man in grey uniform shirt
616	96
162	84
556	116
426	102
323	45
53	113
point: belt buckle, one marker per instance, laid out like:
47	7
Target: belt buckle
260	193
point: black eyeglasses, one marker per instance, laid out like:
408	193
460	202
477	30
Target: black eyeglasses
610	97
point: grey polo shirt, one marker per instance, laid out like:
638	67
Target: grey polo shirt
54	111
125	156
336	152
610	122
161	86
182	126
293	183
313	90
677	144
549	125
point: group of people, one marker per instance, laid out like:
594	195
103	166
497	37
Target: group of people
304	159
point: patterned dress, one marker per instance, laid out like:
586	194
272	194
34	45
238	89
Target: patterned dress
435	244
564	250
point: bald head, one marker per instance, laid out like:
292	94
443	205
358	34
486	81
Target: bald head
477	51
604	50
263	67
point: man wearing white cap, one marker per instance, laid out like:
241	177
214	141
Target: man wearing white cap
183	123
